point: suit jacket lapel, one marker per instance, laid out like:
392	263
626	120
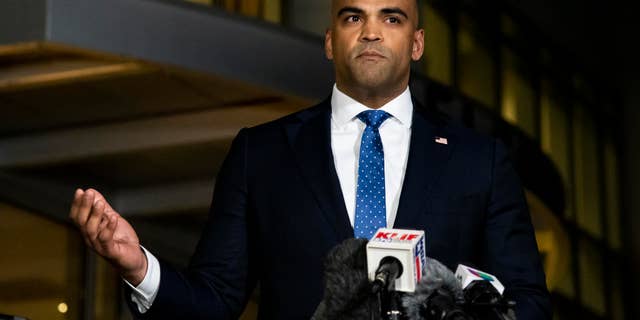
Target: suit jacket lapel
310	139
427	158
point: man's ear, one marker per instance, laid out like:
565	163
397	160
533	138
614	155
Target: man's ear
328	48
418	45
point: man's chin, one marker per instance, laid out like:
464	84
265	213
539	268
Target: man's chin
373	82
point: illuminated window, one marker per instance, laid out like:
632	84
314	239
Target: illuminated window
509	27
586	164
518	97
437	54
250	8
107	290
207	2
272	11
554	245
554	138
617	298
41	266
565	285
476	67
269	10
591	277
612	192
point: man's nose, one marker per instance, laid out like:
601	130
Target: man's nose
370	32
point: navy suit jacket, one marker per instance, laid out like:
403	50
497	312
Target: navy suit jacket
278	209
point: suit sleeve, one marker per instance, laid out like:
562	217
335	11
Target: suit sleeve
219	279
511	245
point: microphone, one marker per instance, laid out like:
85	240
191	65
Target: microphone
470	277
395	259
483	293
438	295
347	293
389	270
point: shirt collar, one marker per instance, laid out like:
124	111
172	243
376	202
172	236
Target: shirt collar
345	108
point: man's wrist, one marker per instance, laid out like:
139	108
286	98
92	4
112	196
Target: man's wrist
144	293
136	275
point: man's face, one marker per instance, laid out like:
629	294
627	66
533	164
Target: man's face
372	42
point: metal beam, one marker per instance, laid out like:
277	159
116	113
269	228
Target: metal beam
22	20
186	196
42	77
53	198
50	198
196	37
78	143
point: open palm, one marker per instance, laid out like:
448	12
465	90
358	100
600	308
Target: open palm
108	233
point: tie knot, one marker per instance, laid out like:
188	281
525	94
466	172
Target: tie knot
373	118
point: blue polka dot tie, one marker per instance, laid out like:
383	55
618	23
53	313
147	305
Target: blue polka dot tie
371	212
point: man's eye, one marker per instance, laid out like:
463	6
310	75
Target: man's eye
353	19
393	20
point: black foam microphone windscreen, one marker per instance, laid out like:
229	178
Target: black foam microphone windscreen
347	292
438	289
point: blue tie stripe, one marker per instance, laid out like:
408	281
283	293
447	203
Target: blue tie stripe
371	213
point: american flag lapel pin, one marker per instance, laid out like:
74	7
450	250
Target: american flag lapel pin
442	140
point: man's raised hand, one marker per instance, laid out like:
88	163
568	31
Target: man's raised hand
108	234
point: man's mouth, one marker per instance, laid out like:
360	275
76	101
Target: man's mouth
371	54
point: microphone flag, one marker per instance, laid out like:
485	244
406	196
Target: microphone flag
408	246
466	275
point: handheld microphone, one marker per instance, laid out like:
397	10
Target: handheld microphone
395	259
389	270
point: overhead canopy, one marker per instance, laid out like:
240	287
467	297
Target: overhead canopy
138	97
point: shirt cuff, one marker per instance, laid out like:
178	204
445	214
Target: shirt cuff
145	293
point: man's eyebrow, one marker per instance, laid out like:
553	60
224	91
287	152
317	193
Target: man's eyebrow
394	10
350	10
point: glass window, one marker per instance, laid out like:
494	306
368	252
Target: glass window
586	175
617	287
591	277
565	284
272	11
554	245
107	290
612	192
269	10
41	266
554	138
518	96
437	54
509	27
251	310
207	2
476	66
309	16
250	8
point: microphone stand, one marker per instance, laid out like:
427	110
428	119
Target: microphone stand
389	306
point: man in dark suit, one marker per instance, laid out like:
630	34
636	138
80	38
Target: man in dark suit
366	157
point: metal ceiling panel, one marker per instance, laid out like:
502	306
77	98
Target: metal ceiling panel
198	38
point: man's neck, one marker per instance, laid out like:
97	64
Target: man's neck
372	98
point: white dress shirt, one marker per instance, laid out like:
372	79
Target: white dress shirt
346	134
